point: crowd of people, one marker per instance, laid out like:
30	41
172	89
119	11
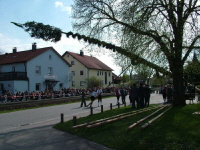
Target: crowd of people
167	92
7	96
139	96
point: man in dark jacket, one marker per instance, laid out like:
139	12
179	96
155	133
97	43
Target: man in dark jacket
141	95
83	94
123	95
169	93
134	96
147	93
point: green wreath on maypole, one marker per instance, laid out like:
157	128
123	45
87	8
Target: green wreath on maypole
53	34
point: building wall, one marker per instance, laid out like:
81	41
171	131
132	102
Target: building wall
9	67
77	68
102	75
14	86
87	73
60	71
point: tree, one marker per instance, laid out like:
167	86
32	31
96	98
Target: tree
93	82
167	26
168	29
124	78
124	62
161	81
144	73
192	70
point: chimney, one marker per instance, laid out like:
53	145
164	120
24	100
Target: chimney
81	53
34	46
14	49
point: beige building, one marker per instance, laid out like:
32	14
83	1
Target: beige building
84	67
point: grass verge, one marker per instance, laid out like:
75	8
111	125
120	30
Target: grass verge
177	129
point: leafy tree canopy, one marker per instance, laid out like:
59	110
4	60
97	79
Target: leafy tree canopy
93	82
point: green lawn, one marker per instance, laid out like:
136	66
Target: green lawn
177	129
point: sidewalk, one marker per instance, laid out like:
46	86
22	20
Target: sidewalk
45	138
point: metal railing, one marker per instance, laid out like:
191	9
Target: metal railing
13	76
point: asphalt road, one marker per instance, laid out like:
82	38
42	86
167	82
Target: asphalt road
51	115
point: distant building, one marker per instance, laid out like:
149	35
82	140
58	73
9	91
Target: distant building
34	70
84	67
116	79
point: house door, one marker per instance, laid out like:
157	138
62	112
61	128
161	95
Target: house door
50	84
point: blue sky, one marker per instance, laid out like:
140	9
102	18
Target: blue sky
53	12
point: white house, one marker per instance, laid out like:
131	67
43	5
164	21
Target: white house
84	67
34	70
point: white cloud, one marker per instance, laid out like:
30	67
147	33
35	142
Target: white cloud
63	7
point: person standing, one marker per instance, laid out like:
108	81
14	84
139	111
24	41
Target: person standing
4	91
93	95
117	94
99	93
141	95
129	93
83	98
169	93
134	96
164	94
123	95
147	93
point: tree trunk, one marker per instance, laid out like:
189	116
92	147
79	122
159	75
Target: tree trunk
179	92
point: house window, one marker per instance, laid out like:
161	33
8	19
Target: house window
70	77
14	68
50	70
73	83
38	70
50	57
102	72
37	87
106	78
81	72
1	87
97	73
73	73
72	62
81	83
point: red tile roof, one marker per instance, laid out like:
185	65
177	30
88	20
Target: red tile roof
24	56
115	77
89	61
